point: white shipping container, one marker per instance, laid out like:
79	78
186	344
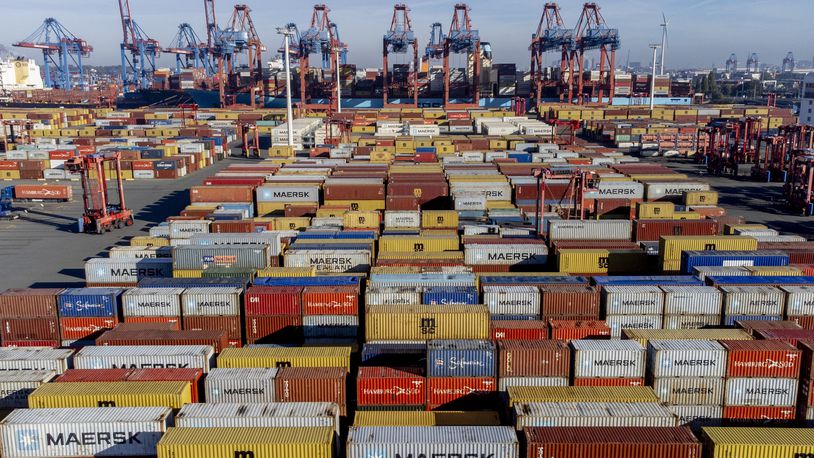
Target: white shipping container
54	174
139	252
752	300
690	390
608	359
512	300
469	202
618	190
402	219
589	230
691	321
694	415
592	414
15	386
702	272
160	230
493	191
144	174
393	295
152	302
146	357
117	271
286	194
269	238
780	392
672	190
618	323
259	415
82	432
692	300
184	229
512	253
423	130
633	300
333	261
799	300
211	301
686	358
504	383
432	441
244	385
35	359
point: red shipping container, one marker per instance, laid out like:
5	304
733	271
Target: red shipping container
759	413
29	302
402	203
460	393
605	244
791	336
219	227
297	211
32	343
274	329
615	442
385	386
273	300
46	192
234	181
651	230
806	398
353	191
569	301
214	338
9	165
312	384
762	358
85	328
142	165
519	330
579	329
807	364
752	326
193	376
533	358
424	191
330	300
60	155
174	321
229	324
608	382
221	194
18	329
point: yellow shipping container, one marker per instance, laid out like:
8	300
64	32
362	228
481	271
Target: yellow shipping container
655	210
439	219
687	215
525	394
111	394
331	213
281	151
424	418
670	247
287	272
357	205
266	442
146	240
362	220
406	243
10	174
599	261
781	271
286	357
701	198
187	273
757	442
644	335
730	229
291	224
426	322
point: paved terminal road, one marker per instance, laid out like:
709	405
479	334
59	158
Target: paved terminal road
43	249
758	202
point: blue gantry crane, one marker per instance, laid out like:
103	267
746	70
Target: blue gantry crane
190	51
138	52
551	35
591	33
60	50
322	37
400	39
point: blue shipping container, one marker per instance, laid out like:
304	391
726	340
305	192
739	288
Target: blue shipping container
690	259
769	280
309	281
394	354
541	280
435	295
460	358
89	302
191	282
637	280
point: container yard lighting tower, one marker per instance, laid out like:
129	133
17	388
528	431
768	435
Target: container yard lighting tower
655	49
56	41
287	32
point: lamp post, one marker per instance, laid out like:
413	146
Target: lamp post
287	32
655	49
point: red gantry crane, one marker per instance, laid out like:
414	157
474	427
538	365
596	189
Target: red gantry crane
590	33
101	214
403	82
322	37
462	39
551	35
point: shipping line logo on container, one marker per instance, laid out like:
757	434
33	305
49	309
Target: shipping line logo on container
224	260
428	326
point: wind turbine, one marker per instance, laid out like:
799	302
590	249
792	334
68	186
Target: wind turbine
664	25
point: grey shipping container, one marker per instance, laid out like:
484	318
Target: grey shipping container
213	301
608	359
435	441
781	392
552	414
152	302
692	300
15	386
204	257
146	357
42	359
633	300
686	358
243	385
690	390
264	414
589	230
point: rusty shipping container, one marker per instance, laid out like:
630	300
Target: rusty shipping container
539	358
29	302
641	442
312	384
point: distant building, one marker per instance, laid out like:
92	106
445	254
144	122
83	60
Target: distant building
807	100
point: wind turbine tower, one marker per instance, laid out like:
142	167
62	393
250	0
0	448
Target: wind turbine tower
664	25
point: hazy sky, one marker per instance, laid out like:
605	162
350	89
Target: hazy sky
702	32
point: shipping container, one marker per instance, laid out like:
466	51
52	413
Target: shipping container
589	230
753	300
644	335
593	414
15	386
692	300
497	441
252	415
426	418
241	385
690	390
29	302
460	358
88	302
581	394
36	359
82	432
641	442
285	357
211	301
633	300
312	384
461	393
538	358
686	358
512	300
762	358
111	394
385	386
426	322
146	357
275	442
768	392
152	302
193	376
758	442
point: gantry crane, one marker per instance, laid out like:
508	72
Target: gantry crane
778	150
400	39
101	214
322	37
753	63
60	49
434	51
732	63
590	33
551	35
728	144
189	51
788	63
463	39
137	68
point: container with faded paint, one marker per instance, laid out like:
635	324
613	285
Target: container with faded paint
211	301
244	385
152	302
36	359
252	415
608	359
440	441
554	414
146	356
82	432
15	386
